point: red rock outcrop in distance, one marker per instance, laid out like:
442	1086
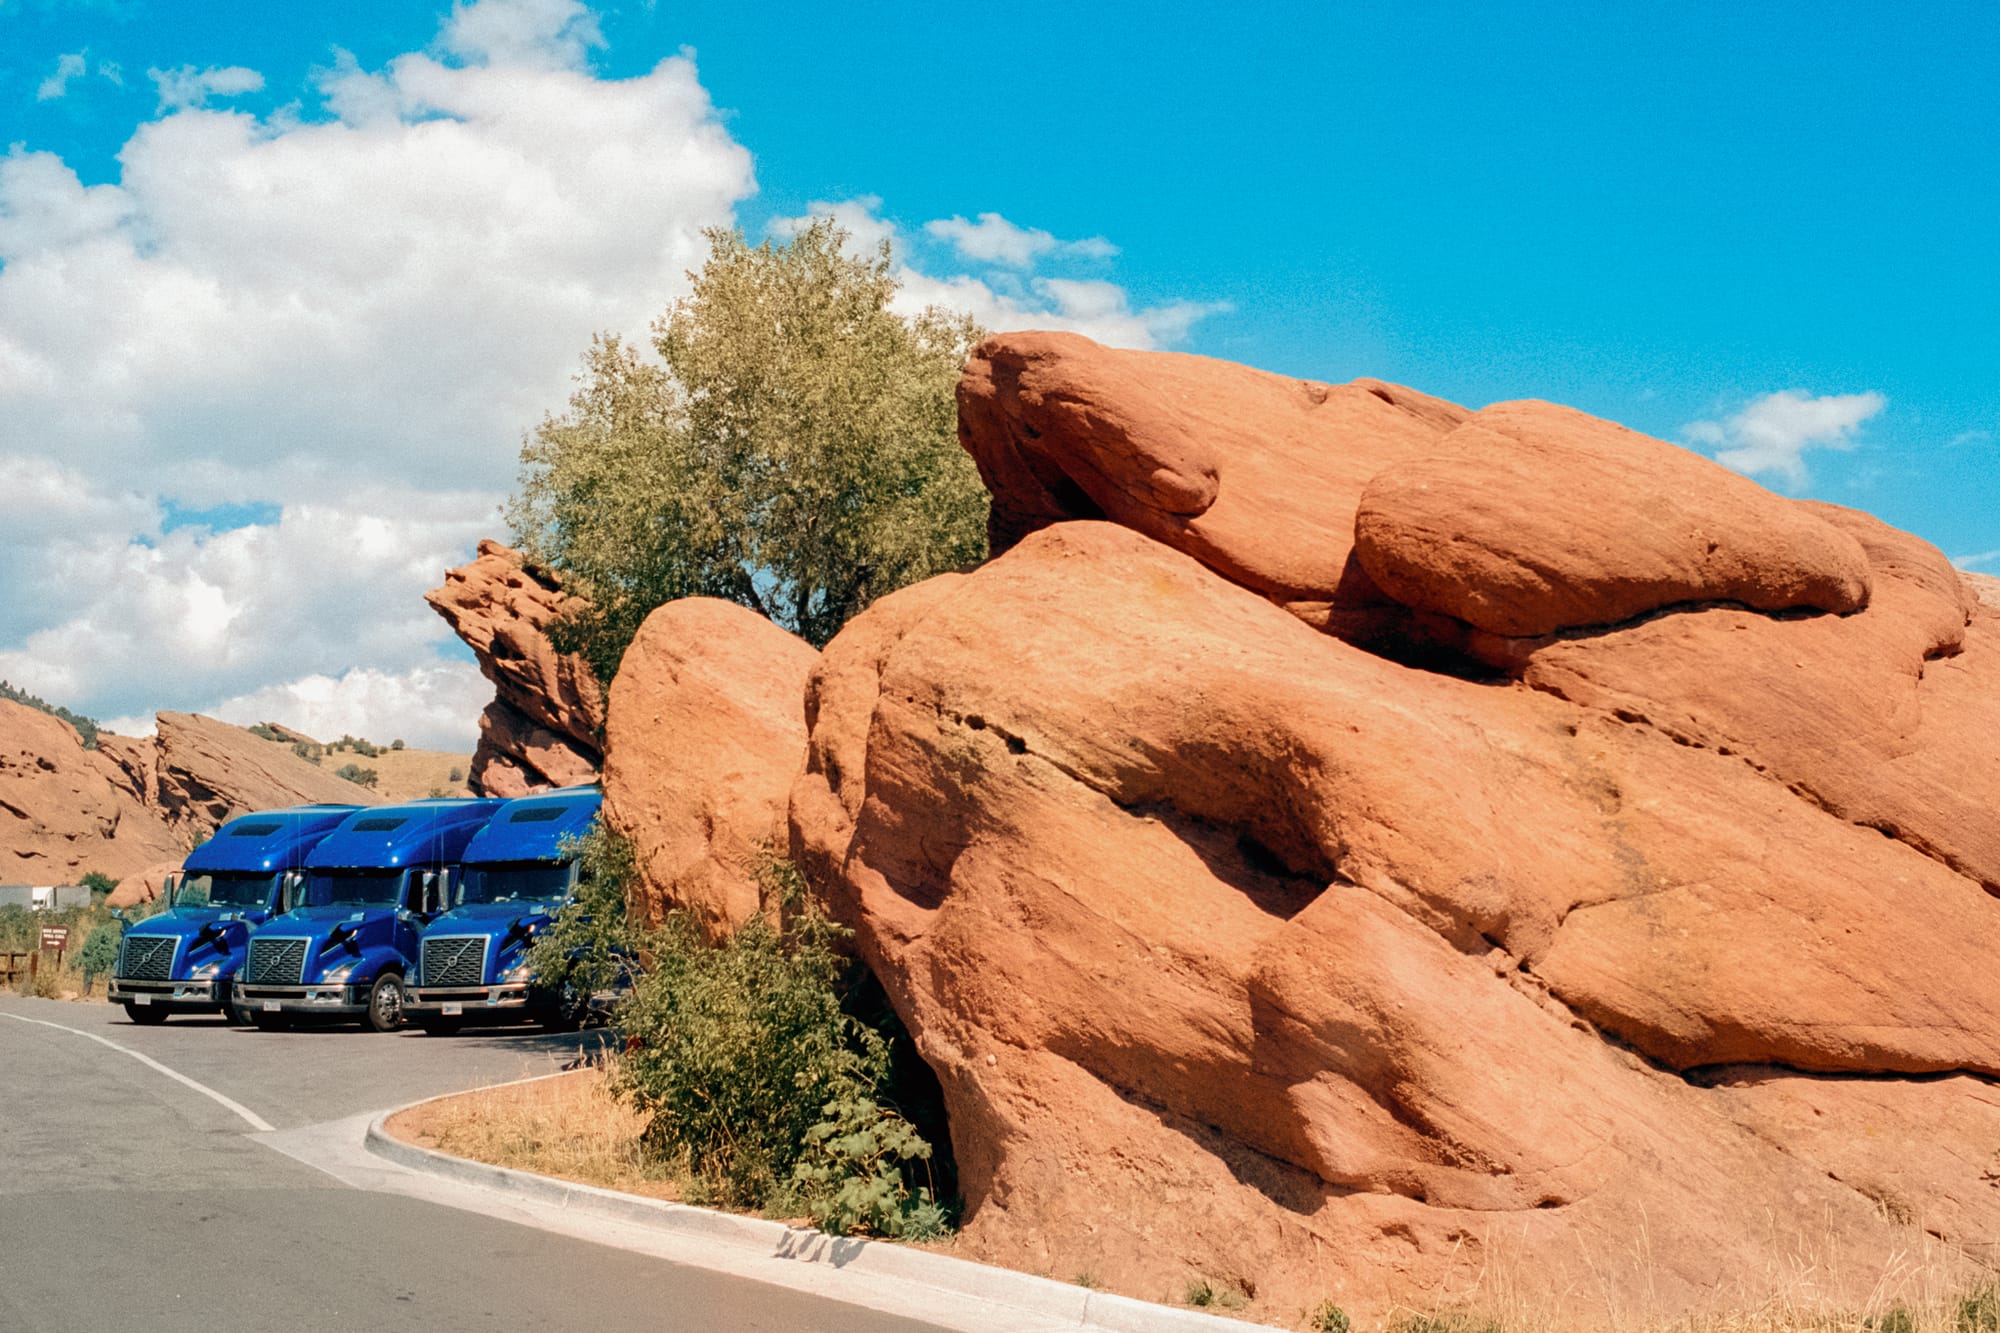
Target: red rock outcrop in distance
137	804
1243	951
706	732
542	728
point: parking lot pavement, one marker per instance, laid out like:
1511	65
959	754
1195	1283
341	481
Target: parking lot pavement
133	1198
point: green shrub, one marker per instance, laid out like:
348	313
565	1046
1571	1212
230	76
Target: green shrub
590	945
99	884
457	775
855	1174
742	1045
308	751
395	745
359	776
265	731
761	1083
99	953
1330	1318
1203	1294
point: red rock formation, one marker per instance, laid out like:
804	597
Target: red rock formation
1237	467
542	728
131	804
208	771
706	732
1533	518
1245	952
65	810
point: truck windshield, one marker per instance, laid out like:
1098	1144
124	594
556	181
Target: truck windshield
515	882
354	888
224	890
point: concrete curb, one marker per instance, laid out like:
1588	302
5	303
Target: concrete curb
1040	1296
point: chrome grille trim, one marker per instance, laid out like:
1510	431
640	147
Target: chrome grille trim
454	960
276	962
148	957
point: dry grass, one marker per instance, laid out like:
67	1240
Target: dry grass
64	983
568	1126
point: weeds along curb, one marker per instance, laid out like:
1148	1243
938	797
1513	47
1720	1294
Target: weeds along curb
1044	1297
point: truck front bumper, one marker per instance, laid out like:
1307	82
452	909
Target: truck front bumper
332	998
175	997
457	1001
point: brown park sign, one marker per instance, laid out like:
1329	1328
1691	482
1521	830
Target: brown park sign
55	937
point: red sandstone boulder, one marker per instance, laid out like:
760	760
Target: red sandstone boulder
706	732
1255	475
143	887
1532	518
1337	963
542	728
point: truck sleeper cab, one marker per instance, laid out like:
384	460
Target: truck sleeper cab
514	877
185	960
345	947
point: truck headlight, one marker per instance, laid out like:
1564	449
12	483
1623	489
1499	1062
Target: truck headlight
206	972
337	974
518	972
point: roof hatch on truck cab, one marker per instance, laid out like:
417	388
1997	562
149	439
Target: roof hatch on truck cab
392	837
535	828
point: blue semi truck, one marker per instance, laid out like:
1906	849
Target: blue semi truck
514	876
368	888
184	960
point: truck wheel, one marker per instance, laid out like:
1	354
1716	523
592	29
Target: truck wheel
385	1003
237	1014
564	1010
145	1015
440	1027
270	1022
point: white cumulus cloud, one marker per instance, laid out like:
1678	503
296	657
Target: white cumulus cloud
1770	436
191	87
328	328
995	240
1007	298
70	66
431	708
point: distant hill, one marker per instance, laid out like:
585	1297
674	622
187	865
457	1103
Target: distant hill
400	775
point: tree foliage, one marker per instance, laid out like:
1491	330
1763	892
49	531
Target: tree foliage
792	448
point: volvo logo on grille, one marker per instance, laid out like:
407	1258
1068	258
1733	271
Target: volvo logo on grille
148	957
455	960
275	963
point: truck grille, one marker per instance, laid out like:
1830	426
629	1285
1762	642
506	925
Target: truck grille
275	963
148	957
455	960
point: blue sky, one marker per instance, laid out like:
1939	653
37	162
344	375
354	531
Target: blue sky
1766	231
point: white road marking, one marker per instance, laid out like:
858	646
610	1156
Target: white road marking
250	1117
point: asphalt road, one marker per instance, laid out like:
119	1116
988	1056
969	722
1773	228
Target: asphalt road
129	1200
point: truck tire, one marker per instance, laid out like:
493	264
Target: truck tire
440	1027
145	1015
385	1003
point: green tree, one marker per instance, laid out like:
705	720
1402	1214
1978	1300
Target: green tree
793	448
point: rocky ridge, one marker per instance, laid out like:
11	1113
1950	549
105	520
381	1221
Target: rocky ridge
542	728
136	804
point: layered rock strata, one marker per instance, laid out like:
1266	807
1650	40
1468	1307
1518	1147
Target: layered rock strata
1631	937
542	729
